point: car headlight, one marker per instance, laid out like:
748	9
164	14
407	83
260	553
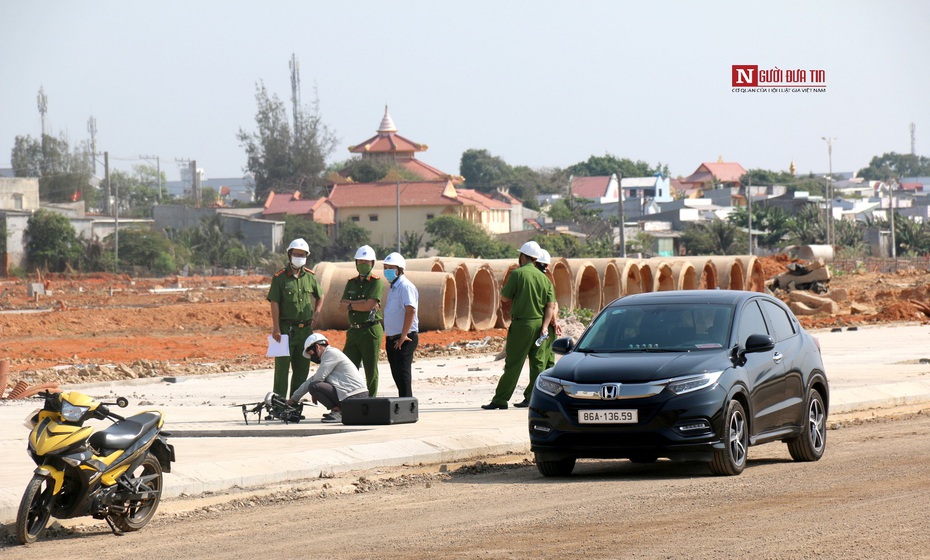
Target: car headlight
548	385
691	383
73	413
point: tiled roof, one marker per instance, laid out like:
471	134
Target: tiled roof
725	172
288	203
481	200
426	193
590	187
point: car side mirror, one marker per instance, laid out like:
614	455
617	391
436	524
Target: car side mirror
759	343
563	345
755	343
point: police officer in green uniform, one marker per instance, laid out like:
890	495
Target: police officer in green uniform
296	299
362	301
542	263
532	302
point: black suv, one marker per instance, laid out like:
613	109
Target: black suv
697	375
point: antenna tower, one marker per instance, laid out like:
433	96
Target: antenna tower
92	130
295	93
43	107
913	133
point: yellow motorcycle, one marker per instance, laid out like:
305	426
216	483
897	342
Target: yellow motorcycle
113	474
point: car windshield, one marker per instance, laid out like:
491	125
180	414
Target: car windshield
662	328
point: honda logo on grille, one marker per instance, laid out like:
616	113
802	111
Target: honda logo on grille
610	391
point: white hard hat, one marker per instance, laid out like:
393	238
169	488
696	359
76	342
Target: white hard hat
299	243
311	340
544	257
396	260
365	253
531	249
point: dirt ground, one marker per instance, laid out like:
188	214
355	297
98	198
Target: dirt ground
108	327
866	498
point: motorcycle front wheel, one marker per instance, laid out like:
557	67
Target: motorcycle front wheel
35	509
146	478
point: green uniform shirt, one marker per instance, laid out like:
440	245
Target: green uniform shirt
295	294
358	289
529	291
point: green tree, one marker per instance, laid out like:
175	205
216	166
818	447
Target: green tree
483	171
911	237
283	158
717	237
599	166
808	226
311	232
455	237
148	249
64	175
350	236
770	220
892	165
52	242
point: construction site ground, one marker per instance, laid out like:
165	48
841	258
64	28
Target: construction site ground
110	327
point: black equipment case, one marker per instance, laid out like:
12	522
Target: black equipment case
380	410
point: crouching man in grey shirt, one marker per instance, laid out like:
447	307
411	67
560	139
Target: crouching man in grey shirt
335	380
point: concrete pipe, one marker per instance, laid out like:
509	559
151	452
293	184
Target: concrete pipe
814	252
631	280
483	291
730	273
705	271
587	283
663	279
563	280
611	285
437	297
684	274
646	276
754	280
500	270
431	264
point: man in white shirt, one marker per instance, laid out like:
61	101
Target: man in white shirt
400	323
336	380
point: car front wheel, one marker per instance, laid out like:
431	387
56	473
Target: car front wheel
811	443
731	460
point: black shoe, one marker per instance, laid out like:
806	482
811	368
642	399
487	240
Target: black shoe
522	404
494	406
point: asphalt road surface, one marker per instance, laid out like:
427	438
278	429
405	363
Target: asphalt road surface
869	497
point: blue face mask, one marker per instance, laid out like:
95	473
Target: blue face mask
390	274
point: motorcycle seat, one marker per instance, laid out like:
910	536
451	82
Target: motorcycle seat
125	432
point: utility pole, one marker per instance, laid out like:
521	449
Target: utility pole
106	178
894	244
749	210
397	196
829	190
195	184
622	217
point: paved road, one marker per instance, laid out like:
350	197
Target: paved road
870	367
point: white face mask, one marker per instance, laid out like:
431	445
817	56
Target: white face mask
298	262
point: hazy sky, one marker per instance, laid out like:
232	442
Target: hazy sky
538	83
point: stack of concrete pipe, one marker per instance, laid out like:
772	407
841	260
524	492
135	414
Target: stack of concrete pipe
465	293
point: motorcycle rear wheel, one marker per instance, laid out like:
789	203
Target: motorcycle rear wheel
35	509
140	512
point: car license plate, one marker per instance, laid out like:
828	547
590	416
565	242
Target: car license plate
608	416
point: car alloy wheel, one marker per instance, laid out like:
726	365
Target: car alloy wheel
731	460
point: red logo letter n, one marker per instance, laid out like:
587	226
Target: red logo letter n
746	75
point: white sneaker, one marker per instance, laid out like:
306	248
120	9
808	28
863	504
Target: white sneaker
332	417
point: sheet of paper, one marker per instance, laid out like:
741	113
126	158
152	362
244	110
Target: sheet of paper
276	349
